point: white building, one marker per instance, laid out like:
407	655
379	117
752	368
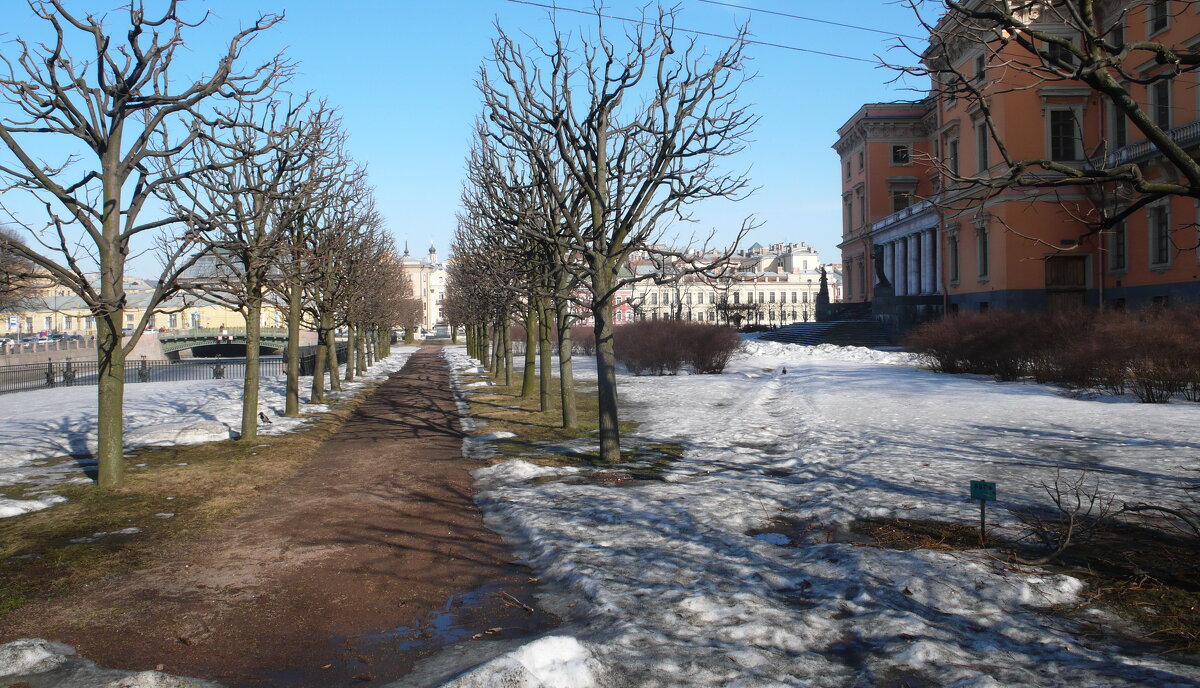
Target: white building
428	277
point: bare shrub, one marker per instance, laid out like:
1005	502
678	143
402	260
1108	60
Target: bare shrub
709	347
649	346
583	340
1079	509
662	347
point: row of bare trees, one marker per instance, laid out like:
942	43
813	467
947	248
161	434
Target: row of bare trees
245	192
590	145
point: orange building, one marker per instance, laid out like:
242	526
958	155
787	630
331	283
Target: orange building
961	242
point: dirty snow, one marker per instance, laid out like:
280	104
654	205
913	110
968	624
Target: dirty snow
662	585
42	426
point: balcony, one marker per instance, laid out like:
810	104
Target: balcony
912	210
1187	135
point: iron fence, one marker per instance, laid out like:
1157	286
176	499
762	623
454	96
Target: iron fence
21	378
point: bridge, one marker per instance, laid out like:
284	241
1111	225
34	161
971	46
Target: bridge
196	338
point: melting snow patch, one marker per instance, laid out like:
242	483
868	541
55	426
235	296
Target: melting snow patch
32	656
16	507
97	536
551	662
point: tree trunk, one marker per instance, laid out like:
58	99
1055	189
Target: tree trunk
544	353
110	393
321	356
363	361
606	365
251	376
453	333
352	351
291	403
508	354
335	384
529	380
566	373
110	356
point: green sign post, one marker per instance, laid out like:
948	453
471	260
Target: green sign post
985	492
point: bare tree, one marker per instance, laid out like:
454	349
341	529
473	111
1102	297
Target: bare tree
19	276
1029	45
637	125
118	108
241	201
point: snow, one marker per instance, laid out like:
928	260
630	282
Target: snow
661	583
48	663
550	662
31	656
16	507
42	426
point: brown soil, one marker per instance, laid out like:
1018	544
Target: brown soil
369	558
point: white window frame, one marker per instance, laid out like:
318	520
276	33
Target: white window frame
1077	114
1153	231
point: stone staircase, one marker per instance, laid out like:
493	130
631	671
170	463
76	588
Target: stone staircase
840	332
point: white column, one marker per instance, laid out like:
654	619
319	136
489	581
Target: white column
927	262
888	265
901	268
937	263
914	276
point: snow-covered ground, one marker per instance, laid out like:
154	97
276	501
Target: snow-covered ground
661	584
41	426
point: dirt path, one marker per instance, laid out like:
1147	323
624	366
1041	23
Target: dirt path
369	558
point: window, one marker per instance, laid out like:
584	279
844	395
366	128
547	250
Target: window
901	155
1063	135
848	214
712	298
981	248
49	321
1059	54
804	298
173	321
980	68
862	206
761	296
860	161
900	200
1116	127
1160	235
847	168
737	298
1160	104
952	247
1118	248
793	297
129	318
981	146
772	297
1157	16
952	155
67	322
654	299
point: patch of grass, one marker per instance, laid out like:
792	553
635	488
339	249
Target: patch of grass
38	560
503	409
906	534
1146	575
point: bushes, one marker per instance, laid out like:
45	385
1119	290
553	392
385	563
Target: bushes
659	347
1155	353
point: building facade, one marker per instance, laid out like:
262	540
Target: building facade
922	218
428	277
765	285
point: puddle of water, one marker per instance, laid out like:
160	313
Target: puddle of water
495	611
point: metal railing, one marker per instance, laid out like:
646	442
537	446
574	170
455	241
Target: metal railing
21	378
1185	135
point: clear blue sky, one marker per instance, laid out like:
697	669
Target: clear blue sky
403	74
